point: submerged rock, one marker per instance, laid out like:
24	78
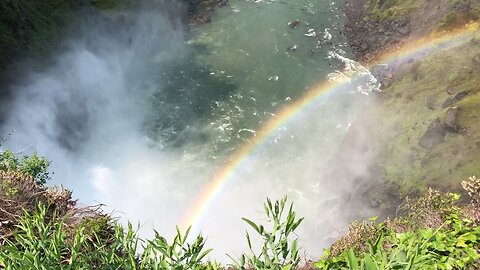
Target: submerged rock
292	48
434	135
222	3
294	24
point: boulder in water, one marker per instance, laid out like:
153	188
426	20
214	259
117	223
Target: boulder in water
292	48
294	24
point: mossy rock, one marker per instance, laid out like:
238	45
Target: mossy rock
404	111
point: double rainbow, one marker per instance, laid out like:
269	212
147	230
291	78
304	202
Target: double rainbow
414	49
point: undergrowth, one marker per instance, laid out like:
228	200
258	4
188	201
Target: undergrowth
434	232
43	228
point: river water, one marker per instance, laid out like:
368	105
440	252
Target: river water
141	117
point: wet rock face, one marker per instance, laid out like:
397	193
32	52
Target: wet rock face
201	11
434	135
451	119
452	100
369	36
448	102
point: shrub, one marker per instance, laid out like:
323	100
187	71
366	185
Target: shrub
434	233
34	166
278	251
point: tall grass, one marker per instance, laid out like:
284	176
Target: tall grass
40	242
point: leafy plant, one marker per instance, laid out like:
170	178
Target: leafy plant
178	255
48	242
34	165
278	251
443	239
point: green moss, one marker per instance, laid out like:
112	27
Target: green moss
449	21
391	9
406	117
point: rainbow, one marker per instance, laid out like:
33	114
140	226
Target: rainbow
414	49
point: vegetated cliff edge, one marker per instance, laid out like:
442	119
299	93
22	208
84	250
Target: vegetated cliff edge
31	28
424	128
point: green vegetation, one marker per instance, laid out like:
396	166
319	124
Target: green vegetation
32	28
416	97
390	9
29	28
278	250
461	11
43	229
43	242
454	19
435	233
48	231
34	166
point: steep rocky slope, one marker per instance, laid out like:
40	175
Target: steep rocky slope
374	26
424	128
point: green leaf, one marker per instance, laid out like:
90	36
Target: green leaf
248	240
352	260
369	263
252	224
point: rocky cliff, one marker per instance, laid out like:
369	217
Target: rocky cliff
424	127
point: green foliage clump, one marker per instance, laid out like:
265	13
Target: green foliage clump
42	242
30	27
45	230
34	166
435	233
278	251
388	9
454	245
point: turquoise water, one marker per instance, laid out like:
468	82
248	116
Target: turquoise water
241	69
140	116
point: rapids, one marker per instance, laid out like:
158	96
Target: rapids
139	115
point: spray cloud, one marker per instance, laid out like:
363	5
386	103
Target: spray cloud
87	114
